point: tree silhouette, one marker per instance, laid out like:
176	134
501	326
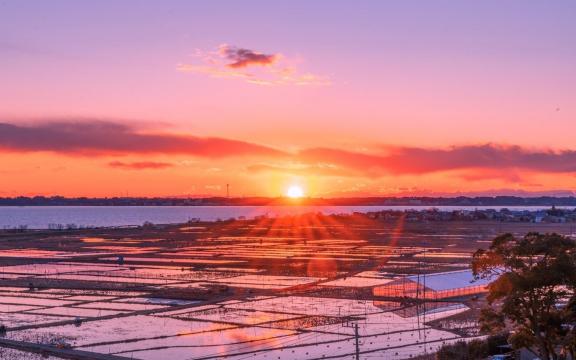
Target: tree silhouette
532	293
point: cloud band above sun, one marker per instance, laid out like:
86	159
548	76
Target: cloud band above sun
232	62
112	139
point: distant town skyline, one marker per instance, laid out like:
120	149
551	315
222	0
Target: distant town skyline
334	98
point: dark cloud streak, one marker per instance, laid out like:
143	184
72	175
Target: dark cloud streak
110	138
242	58
410	160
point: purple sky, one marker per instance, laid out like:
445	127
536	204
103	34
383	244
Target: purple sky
356	76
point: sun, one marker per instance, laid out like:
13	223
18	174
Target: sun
295	192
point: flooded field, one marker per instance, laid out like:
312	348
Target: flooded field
297	287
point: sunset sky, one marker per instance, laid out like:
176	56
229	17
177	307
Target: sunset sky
342	98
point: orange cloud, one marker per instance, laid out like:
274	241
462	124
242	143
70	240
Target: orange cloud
508	175
302	169
139	165
254	67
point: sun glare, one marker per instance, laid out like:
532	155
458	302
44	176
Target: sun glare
295	192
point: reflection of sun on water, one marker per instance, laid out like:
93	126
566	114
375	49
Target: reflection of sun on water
295	192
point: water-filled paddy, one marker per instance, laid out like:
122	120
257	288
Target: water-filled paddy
257	289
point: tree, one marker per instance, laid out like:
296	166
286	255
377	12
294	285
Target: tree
472	350
462	350
533	276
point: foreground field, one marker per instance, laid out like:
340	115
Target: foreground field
286	288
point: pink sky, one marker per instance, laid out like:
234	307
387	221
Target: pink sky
363	98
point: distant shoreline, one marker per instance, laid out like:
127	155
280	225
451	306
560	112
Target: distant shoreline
75	217
498	201
84	218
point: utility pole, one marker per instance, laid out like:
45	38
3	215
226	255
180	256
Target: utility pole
356	335
357	341
228	191
424	313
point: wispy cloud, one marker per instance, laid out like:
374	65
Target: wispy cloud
113	138
140	165
231	62
7	47
302	169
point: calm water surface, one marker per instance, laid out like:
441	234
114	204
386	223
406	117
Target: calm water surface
39	217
